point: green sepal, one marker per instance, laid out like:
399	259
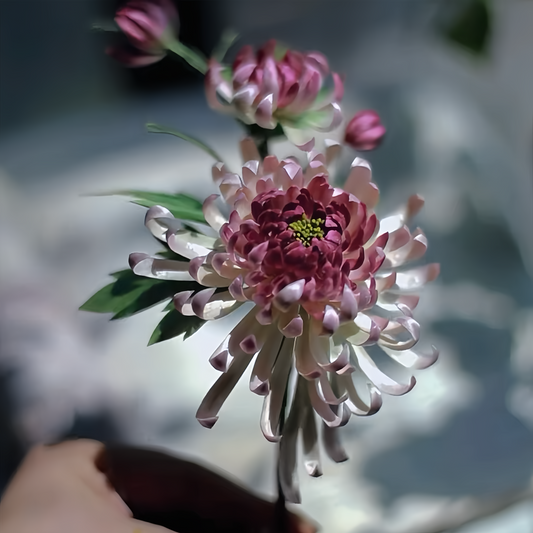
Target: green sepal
174	324
157	128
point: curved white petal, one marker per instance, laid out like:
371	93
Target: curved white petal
261	372
310	444
188	244
323	409
411	358
164	269
383	382
356	405
218	393
278	383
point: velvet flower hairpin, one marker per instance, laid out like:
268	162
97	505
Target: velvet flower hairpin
324	280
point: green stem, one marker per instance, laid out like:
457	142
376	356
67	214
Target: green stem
193	58
262	146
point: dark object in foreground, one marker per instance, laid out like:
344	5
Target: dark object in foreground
189	498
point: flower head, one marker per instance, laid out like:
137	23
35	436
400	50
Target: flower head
149	25
260	88
326	279
364	131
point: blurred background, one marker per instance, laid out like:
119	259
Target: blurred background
453	83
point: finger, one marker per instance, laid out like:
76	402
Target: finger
138	526
187	497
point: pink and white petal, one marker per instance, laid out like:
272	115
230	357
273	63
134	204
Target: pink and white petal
287	472
323	409
349	307
414	205
151	221
278	383
333	150
212	213
215	85
262	370
236	289
244	329
164	269
332	444
326	392
412	358
264	112
411	251
383	382
189	245
306	364
209	305
385	282
359	183
356	405
249	150
330	321
182	302
289	295
221	359
397	239
401	325
207	413
416	278
310	444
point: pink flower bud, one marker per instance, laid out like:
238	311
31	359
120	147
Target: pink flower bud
365	131
149	25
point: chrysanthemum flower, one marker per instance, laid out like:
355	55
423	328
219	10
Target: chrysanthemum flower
261	89
326	279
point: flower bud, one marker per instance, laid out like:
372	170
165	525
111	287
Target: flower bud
297	90
149	26
365	131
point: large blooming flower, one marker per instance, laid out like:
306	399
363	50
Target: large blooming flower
261	89
326	280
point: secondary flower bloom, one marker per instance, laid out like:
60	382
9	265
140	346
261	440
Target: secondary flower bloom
261	89
365	131
149	25
326	280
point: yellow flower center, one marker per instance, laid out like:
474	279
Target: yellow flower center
305	229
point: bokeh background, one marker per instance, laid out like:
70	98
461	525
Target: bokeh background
453	82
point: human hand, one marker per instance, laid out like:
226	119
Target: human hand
75	487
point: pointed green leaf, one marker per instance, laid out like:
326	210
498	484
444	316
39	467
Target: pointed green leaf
181	206
156	128
174	324
129	294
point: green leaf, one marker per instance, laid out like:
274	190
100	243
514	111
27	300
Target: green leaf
472	28
227	39
193	57
181	206
129	294
157	128
175	324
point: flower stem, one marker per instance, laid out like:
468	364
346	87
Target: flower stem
262	146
